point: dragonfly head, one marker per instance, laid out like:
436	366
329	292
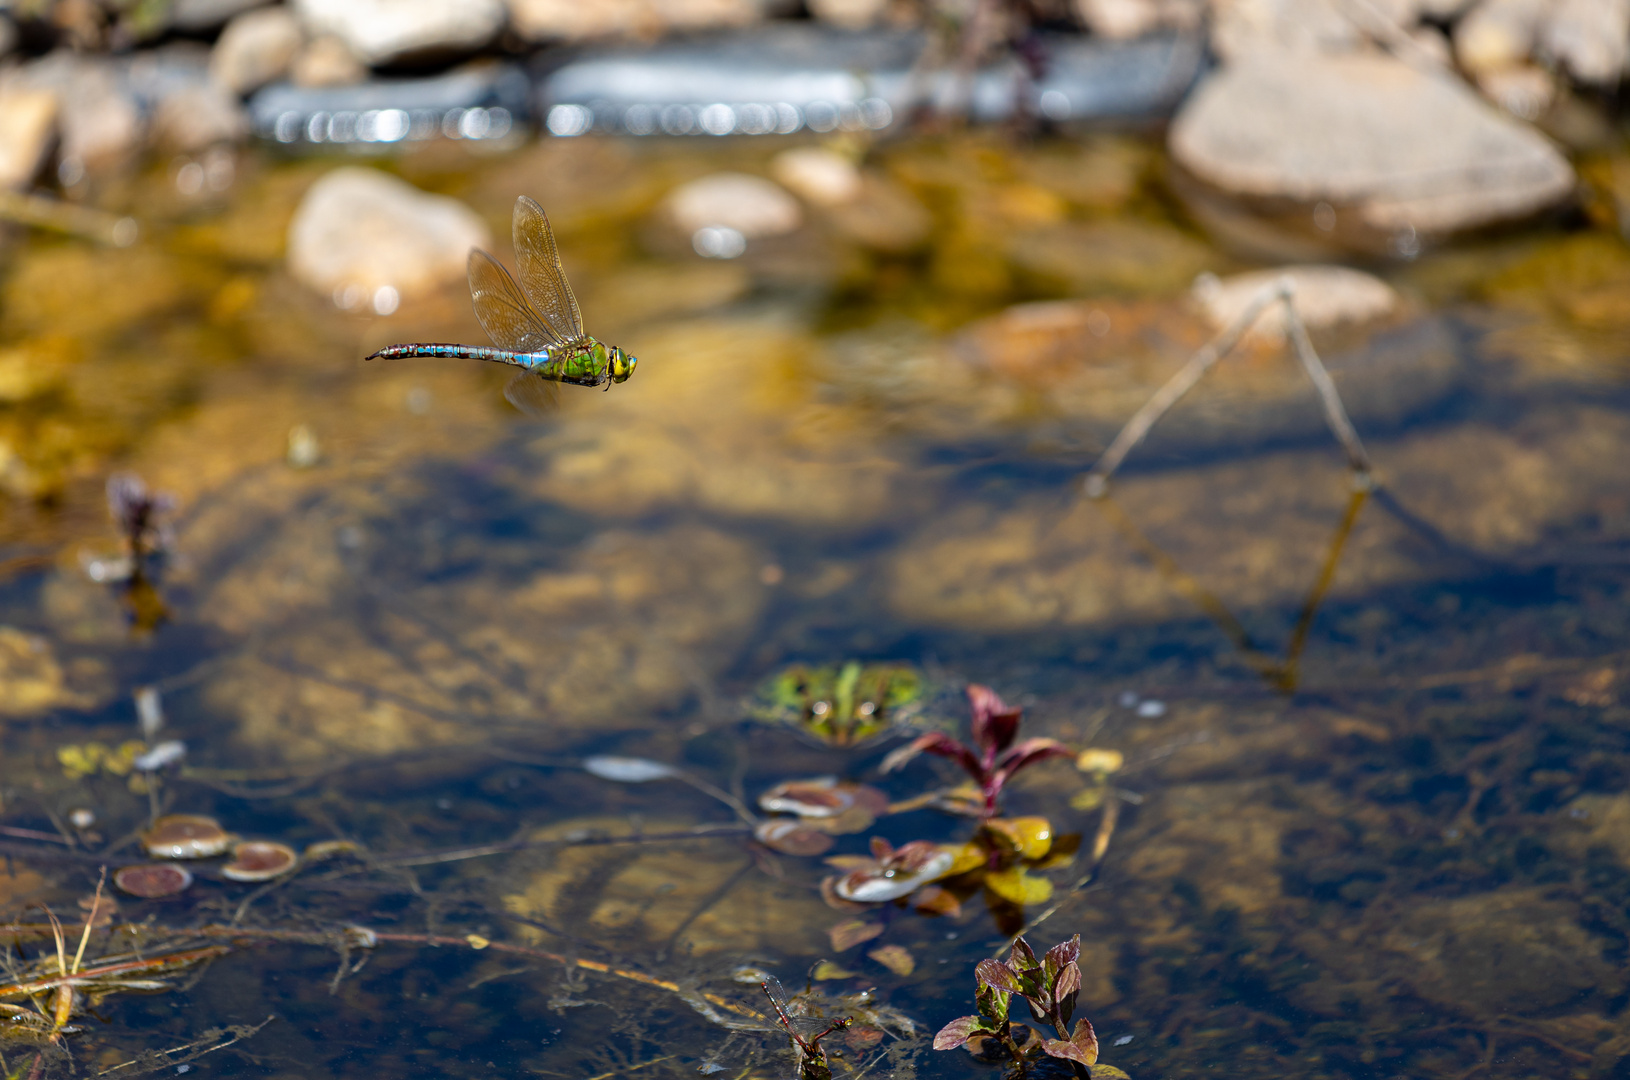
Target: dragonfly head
622	364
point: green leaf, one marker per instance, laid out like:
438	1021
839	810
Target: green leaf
1108	1072
993	1003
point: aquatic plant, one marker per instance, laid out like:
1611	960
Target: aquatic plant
994	758
1048	986
140	515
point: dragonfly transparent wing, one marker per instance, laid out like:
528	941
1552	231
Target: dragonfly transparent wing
532	394
502	308
538	263
790	1011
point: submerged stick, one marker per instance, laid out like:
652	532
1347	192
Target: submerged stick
1096	484
70	218
359	937
1334	414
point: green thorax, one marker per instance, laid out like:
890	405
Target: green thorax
842	705
591	359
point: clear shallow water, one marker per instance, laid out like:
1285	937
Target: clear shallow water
1413	863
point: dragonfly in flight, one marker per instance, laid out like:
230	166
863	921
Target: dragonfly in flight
535	325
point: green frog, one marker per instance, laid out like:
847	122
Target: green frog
846	705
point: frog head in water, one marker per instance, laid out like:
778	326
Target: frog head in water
842	705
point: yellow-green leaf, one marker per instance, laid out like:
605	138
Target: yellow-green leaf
1017	886
826	970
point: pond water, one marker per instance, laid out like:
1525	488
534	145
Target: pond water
1372	817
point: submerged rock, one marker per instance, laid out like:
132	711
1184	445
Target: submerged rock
751	205
1405	150
625	623
1326	297
1116	257
1256	530
364	229
31	679
1514	950
785	454
662	896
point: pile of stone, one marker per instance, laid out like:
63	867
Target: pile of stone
1382	123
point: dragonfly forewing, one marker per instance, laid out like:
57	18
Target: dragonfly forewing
503	310
791	1013
537	260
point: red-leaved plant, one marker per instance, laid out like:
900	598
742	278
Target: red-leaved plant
1049	986
994	758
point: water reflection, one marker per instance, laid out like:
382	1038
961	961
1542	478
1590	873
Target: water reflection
1398	847
1282	673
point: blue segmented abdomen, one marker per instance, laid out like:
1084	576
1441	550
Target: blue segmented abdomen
440	350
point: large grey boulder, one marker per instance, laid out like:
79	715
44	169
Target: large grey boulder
1407	151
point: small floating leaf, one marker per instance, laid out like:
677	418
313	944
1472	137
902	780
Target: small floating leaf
1017	886
1100	761
628	770
933	900
476	941
896	958
1030	837
966	857
851	932
826	970
1088	798
792	837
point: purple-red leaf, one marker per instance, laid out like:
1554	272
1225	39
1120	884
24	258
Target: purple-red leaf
1023	956
956	1033
1082	1045
994	722
1024	755
996	974
1064	952
936	742
1069	981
